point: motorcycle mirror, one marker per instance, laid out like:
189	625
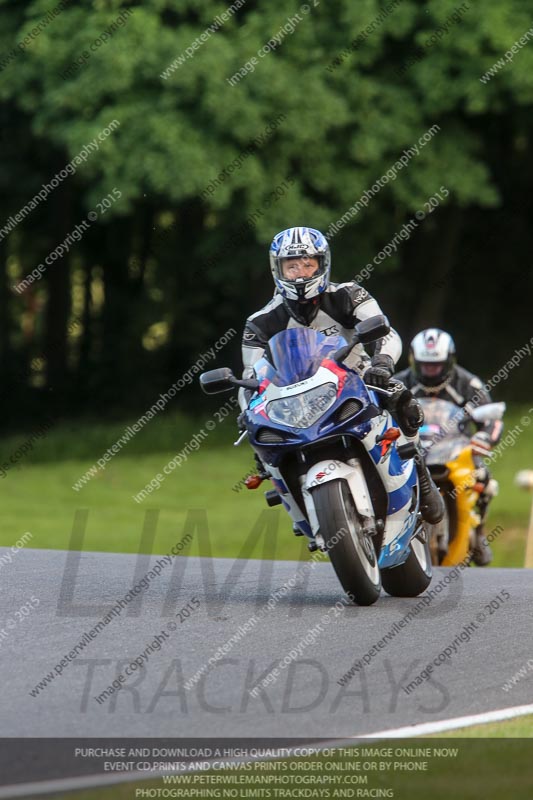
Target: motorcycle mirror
252	383
223	380
488	412
365	332
217	380
371	329
340	355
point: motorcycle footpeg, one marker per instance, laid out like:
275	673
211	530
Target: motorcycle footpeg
406	451
296	530
272	498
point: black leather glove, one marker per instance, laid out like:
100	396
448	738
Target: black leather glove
380	371
409	413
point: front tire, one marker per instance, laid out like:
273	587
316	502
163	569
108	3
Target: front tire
352	554
413	576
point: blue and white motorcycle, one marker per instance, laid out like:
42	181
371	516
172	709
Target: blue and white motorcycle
338	462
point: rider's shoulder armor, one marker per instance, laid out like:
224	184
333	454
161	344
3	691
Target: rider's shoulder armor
340	301
470	386
266	322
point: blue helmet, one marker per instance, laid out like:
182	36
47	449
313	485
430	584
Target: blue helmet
295	243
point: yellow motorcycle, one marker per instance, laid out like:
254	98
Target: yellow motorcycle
445	438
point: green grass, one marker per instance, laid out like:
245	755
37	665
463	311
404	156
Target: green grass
519	728
511	508
36	494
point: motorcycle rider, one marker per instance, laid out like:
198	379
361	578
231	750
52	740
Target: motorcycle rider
300	261
433	372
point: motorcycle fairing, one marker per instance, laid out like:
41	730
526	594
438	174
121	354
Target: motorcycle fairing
295	371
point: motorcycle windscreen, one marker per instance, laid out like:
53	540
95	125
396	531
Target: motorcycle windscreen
445	451
441	418
296	353
442	433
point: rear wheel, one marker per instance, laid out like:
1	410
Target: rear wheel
350	549
413	576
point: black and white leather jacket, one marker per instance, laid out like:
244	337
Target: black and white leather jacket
335	312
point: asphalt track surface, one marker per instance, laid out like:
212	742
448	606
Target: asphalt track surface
305	701
220	705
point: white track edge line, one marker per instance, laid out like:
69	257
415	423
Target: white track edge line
440	726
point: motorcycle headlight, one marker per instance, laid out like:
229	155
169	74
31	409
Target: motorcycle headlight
302	410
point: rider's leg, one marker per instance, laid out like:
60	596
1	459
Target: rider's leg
408	413
482	552
431	502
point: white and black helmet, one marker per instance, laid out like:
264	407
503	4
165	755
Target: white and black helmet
295	243
432	356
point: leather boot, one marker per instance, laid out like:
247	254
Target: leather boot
431	502
482	553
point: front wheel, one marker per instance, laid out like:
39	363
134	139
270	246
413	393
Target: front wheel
350	549
413	576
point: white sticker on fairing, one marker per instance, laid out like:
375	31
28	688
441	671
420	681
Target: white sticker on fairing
322	376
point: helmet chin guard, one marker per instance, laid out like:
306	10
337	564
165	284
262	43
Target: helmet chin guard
303	312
